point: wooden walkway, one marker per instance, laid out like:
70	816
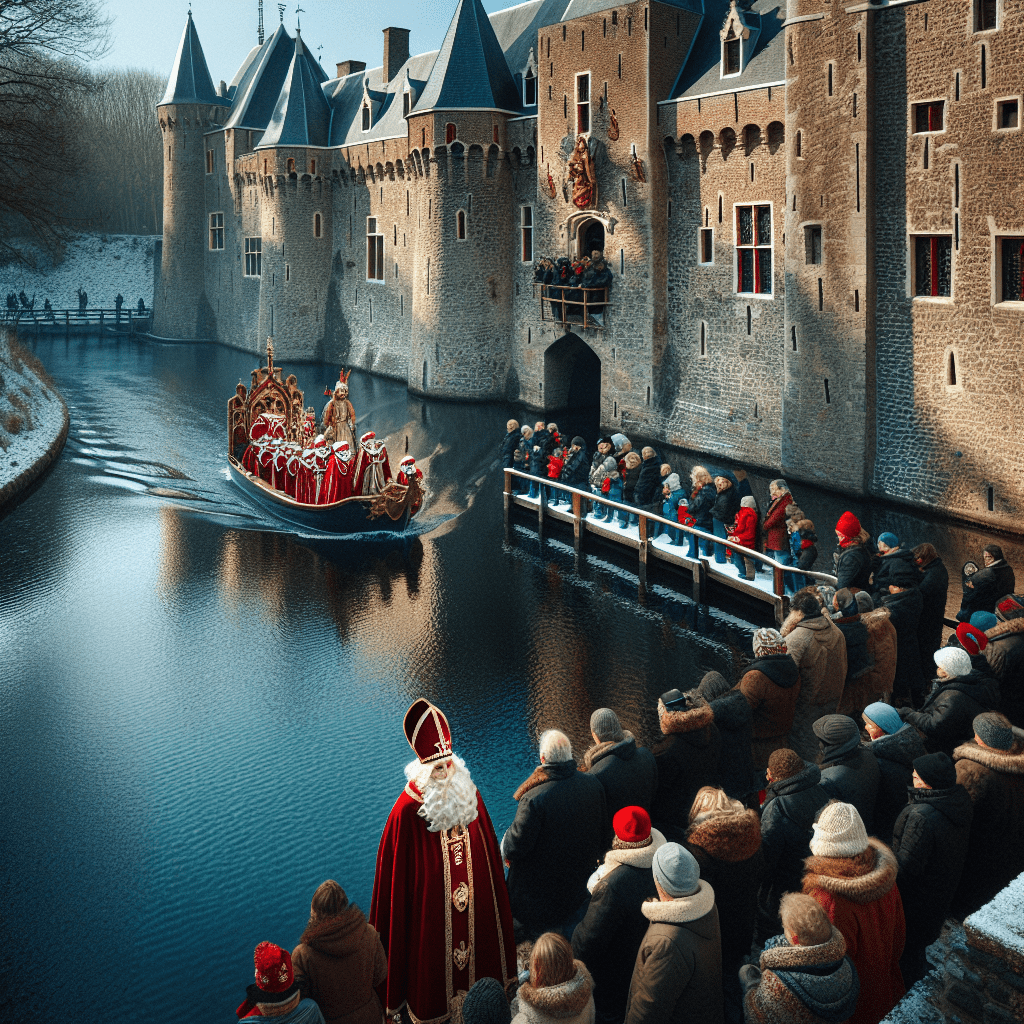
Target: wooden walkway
75	321
767	585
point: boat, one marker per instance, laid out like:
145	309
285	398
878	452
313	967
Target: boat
279	462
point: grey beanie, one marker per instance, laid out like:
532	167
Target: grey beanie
672	482
838	733
994	730
485	1003
713	686
605	725
619	440
864	602
749	501
676	870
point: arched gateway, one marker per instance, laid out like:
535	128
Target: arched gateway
572	375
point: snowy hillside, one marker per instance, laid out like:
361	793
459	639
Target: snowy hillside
101	264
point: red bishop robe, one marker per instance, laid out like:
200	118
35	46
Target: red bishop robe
338	480
442	910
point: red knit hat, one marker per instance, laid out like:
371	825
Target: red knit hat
632	826
273	968
972	639
848	527
427	731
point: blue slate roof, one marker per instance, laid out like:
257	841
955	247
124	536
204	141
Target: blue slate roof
259	87
470	72
190	80
302	116
701	74
578	8
516	29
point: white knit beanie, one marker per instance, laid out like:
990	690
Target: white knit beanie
839	832
955	660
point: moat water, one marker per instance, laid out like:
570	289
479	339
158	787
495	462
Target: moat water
200	713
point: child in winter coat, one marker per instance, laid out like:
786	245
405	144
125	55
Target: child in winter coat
556	460
674	499
802	538
611	488
630	470
745	532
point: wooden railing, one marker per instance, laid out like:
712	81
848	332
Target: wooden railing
565	304
702	568
129	318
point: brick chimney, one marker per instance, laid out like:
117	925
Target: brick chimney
396	51
350	67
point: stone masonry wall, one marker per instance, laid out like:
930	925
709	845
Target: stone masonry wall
937	443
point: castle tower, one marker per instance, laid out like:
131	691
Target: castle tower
190	105
462	284
296	212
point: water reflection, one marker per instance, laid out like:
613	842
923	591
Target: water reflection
200	714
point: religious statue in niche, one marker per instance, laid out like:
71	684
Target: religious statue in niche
613	127
582	176
551	184
637	166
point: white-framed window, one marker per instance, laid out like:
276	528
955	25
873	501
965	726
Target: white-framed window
216	230
406	103
529	88
932	266
583	103
253	257
1009	268
1008	114
731	57
929	117
366	116
985	15
374	251
526	228
706	249
753	241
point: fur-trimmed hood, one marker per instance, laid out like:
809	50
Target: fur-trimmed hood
796	618
1008	628
337	936
862	879
729	837
569	999
681	910
797	958
624	748
997	760
643	857
553	772
689	720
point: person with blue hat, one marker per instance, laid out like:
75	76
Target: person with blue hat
890	555
895	744
678	972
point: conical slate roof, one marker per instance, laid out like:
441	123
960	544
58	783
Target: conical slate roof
260	85
302	116
470	72
190	81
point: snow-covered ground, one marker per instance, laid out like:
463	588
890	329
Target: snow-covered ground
101	264
31	412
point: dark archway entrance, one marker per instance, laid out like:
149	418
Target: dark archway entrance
572	375
590	237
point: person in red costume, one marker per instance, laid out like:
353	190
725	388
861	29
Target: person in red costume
439	898
373	471
407	469
339	476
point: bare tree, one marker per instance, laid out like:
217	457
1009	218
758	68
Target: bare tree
43	44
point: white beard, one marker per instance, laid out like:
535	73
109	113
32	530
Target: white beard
446	802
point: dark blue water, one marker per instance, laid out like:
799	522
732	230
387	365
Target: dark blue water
200	714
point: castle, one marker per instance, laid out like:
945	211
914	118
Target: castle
813	211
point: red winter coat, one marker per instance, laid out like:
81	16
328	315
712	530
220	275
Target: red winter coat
745	531
859	895
776	537
555	467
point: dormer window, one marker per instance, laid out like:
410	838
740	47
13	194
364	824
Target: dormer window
739	37
406	104
530	89
731	57
366	117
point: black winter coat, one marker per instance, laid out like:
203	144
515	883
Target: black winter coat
895	755
789	810
701	505
886	565
905	616
509	444
608	939
853	778
1005	659
734	718
858	657
648	486
853	567
934	588
629	481
990	584
576	470
688	757
930	841
628	774
947	718
553	845
727	504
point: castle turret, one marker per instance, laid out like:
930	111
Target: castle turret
189	107
296	212
463	272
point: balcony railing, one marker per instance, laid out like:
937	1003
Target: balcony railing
572	305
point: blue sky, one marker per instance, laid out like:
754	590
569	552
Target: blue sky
145	33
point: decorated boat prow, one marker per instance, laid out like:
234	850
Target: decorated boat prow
315	476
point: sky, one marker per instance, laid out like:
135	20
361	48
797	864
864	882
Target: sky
145	33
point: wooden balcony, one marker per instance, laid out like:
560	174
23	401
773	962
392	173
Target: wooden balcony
574	306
